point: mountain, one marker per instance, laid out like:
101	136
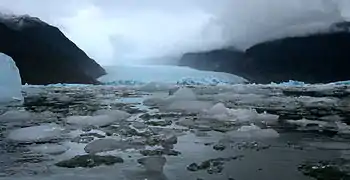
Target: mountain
316	58
43	54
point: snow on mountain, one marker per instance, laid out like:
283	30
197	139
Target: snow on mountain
10	80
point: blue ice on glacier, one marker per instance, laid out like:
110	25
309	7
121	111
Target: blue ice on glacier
10	81
143	74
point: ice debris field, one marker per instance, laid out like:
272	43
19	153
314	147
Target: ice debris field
200	127
172	131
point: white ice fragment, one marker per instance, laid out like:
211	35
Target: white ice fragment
153	163
343	128
186	122
102	118
184	94
267	118
139	125
171	140
154	101
334	118
10	81
305	122
318	102
64	98
244	115
118	115
51	149
187	106
252	127
104	145
218	109
221	112
14	115
254	132
40	133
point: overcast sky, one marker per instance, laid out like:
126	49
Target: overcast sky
115	31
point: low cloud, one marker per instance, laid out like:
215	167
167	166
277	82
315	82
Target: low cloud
120	31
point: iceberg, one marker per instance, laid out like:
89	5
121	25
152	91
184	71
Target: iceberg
10	81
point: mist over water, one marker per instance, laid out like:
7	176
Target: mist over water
134	32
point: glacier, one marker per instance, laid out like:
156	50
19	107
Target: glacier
143	74
10	81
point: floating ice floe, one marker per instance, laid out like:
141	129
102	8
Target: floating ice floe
221	112
104	145
51	149
102	118
305	122
14	115
183	94
183	100
254	132
187	106
153	163
40	133
317	102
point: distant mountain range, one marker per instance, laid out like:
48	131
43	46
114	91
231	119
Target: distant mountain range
316	58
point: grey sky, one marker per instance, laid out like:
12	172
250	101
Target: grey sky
115	31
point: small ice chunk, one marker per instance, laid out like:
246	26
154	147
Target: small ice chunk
104	145
184	94
268	118
153	101
118	115
14	115
40	133
64	98
186	106
244	115
318	102
218	109
169	141
51	149
252	127
139	125
103	118
343	128
153	163
253	131
186	122
333	118
305	122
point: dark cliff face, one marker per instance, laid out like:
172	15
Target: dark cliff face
44	55
223	60
319	58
